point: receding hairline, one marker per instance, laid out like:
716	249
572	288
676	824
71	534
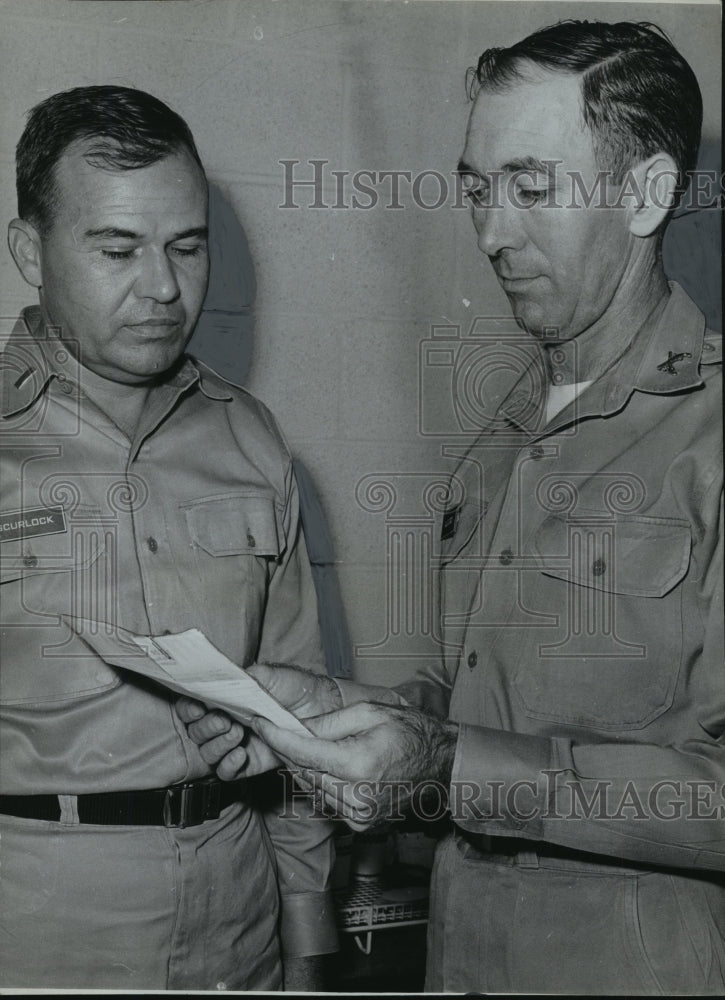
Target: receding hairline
534	74
94	146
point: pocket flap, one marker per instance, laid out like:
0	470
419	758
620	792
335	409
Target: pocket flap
628	554
235	525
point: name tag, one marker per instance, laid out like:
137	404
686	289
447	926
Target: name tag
33	521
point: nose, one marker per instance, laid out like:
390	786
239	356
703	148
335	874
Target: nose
157	279
499	227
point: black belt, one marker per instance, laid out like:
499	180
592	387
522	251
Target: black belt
176	806
514	847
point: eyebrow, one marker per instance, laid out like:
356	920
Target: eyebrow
114	233
529	164
464	168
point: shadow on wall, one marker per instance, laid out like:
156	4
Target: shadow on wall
224	335
224	339
692	246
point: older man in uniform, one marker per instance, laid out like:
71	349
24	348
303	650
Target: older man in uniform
138	489
579	728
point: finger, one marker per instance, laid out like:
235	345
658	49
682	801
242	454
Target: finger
350	721
355	802
189	710
211	724
304	783
332	805
306	750
290	685
212	751
232	766
345	798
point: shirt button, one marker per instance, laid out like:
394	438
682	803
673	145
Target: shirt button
30	561
506	557
537	451
251	542
152	543
598	567
708	347
66	387
472	659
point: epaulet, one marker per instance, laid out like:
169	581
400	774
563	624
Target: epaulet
711	348
209	375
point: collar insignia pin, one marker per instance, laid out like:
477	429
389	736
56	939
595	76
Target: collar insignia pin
669	365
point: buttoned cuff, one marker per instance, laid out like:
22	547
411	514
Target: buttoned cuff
353	693
501	782
307	925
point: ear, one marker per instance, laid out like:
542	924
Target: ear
656	183
25	246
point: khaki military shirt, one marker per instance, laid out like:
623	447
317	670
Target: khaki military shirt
582	609
192	523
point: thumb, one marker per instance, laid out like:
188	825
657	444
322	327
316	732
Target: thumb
307	751
262	673
349	721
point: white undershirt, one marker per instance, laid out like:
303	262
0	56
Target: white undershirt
561	395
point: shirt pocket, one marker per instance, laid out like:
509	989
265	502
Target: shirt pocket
44	577
241	524
238	539
613	658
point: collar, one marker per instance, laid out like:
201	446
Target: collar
666	360
33	357
27	364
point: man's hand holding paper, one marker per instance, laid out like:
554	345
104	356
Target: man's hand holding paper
225	744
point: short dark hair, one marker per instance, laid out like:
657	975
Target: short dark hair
639	96
131	129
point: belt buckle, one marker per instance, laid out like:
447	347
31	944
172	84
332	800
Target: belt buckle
191	803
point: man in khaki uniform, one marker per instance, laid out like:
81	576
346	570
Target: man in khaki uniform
142	490
578	728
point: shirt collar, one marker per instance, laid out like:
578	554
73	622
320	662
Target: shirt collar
668	359
664	361
27	365
33	357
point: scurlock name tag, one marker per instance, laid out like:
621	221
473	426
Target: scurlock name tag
32	521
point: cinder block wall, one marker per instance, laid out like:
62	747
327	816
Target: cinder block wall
323	312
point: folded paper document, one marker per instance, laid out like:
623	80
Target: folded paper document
189	664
